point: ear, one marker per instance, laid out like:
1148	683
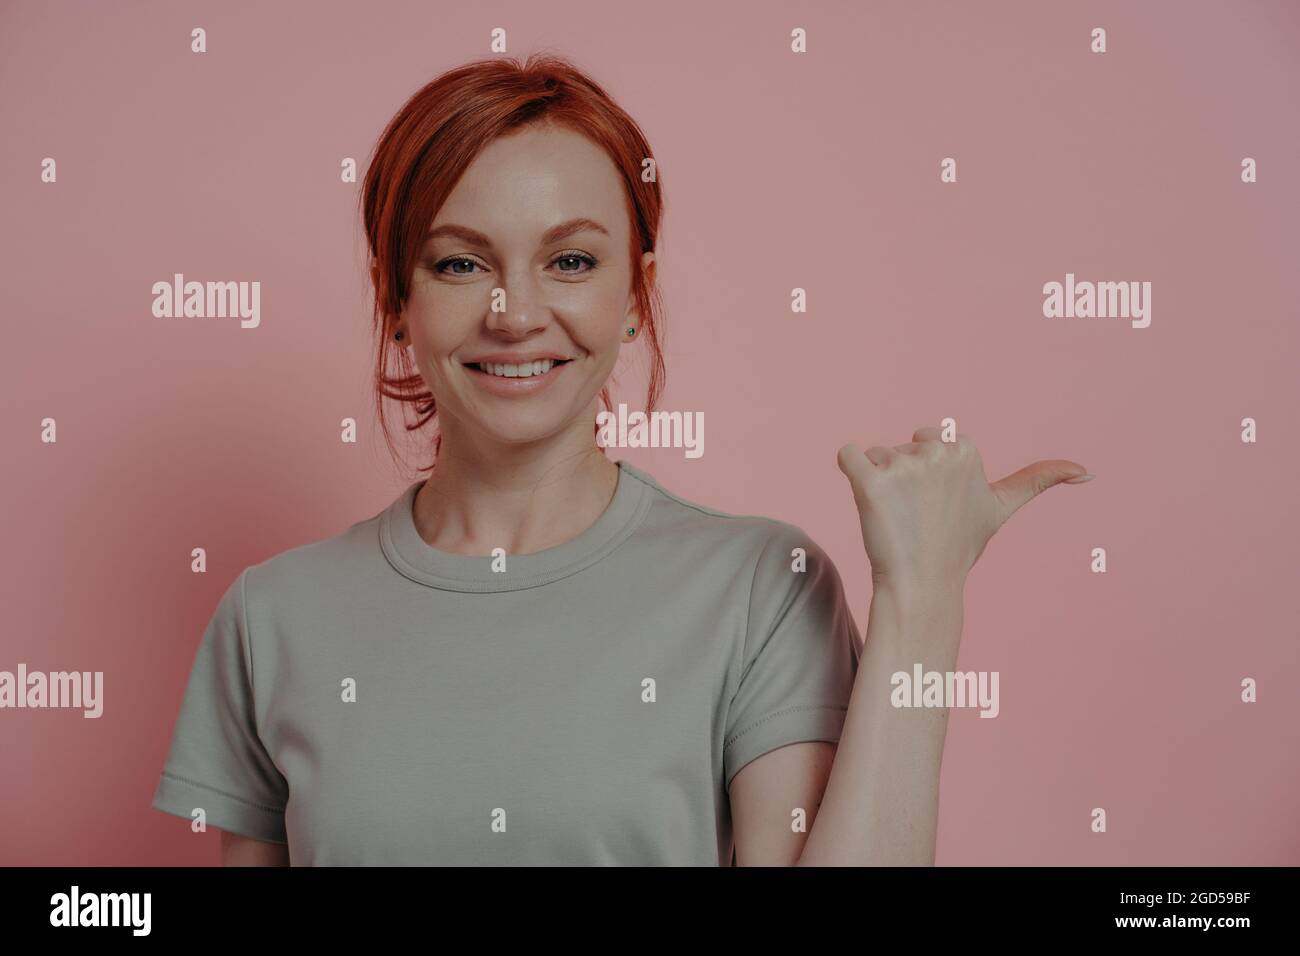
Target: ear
647	267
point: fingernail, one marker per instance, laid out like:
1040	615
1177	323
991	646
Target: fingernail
1078	479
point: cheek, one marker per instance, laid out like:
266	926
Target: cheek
599	318
439	323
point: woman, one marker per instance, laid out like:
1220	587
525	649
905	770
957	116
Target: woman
537	654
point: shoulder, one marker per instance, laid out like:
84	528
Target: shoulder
315	572
761	542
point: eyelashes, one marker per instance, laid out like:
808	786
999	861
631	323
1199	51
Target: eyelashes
581	257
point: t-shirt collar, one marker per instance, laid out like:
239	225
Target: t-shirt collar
415	558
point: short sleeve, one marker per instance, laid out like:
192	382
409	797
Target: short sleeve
217	761
801	654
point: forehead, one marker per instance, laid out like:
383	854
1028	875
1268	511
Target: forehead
523	183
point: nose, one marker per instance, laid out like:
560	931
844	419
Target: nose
523	309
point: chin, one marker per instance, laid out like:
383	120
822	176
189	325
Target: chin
522	429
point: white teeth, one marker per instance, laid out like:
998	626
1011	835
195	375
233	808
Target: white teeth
523	370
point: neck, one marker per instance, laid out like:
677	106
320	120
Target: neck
520	497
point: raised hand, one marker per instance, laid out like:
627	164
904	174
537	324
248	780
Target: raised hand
927	509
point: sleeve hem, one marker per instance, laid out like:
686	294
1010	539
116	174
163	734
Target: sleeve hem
180	796
788	725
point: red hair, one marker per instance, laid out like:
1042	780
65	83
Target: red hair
428	145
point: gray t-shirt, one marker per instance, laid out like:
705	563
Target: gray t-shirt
368	699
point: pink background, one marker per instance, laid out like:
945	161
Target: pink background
1119	690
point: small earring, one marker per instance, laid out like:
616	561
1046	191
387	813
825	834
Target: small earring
398	336
631	330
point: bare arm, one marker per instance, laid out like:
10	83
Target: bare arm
766	792
881	804
874	799
237	850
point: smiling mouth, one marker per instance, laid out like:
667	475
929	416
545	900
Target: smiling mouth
520	370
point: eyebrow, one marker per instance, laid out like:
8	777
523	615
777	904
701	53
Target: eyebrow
553	235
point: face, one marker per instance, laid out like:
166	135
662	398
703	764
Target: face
538	226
